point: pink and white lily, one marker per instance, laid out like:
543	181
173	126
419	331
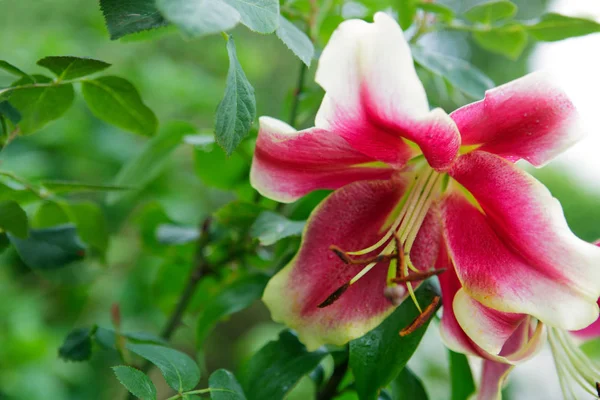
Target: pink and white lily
417	188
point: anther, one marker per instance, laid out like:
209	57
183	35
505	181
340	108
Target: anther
422	318
418	276
335	295
399	256
359	261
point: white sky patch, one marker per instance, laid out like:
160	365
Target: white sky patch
575	64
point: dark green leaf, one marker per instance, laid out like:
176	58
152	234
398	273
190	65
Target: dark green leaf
378	357
136	382
296	40
7	110
91	224
407	9
77	345
271	227
225	380
72	67
552	27
444	12
50	248
461	377
459	73
174	234
233	298
107	338
179	370
259	15
199	17
407	386
277	367
11	69
13	219
508	40
49	214
147	165
237	110
490	11
40	105
116	101
71	187
238	214
130	16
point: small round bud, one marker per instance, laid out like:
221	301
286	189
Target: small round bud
395	294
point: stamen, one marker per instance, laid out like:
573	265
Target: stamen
335	295
422	318
418	276
359	261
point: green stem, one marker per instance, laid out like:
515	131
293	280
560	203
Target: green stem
31	188
38	85
297	95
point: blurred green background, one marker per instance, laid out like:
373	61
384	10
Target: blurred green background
180	80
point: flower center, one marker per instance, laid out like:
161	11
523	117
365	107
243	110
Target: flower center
396	244
572	365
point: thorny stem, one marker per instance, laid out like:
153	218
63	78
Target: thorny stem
330	390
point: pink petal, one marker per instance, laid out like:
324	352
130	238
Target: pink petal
520	256
351	218
493	378
529	118
374	97
288	164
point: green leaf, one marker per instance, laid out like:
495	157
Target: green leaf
200	17
459	73
378	357
91	224
407	9
7	110
509	40
552	27
174	234
460	376
72	186
277	367
237	110
407	386
216	169
130	16
296	40
225	380
40	105
238	214
116	101
271	227
179	370
148	164
50	248
491	11
11	69
68	67
233	298
77	345
107	338
13	219
444	12
136	382
49	214
259	15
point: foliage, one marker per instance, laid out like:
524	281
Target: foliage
164	225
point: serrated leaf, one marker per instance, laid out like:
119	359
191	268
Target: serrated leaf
174	234
77	346
50	248
136	382
378	357
407	386
130	16
200	17
13	219
237	110
491	11
459	73
8	111
143	168
278	366
271	227
116	101
508	40
68	67
40	105
224	386
461	377
259	15
11	69
179	370
553	27
296	40
233	298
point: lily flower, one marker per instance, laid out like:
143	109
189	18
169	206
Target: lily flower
410	181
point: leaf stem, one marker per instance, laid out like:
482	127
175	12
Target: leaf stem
31	188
